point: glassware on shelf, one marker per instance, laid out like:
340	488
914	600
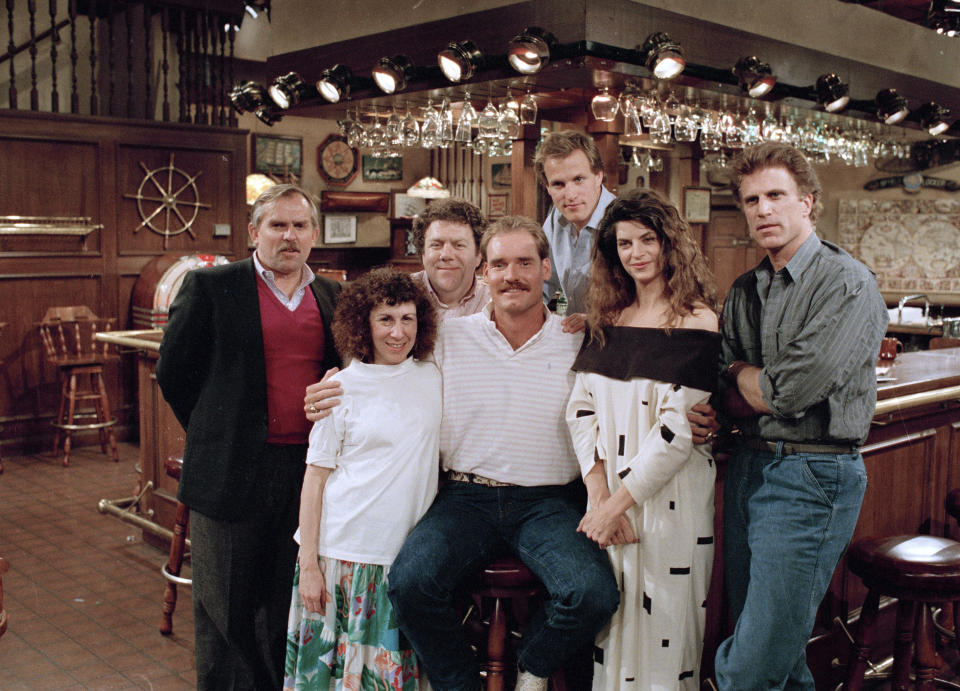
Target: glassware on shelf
528	110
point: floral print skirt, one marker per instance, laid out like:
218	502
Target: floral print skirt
354	644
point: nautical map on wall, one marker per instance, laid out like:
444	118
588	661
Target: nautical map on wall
913	245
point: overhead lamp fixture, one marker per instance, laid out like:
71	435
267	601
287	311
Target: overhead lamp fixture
246	97
529	51
662	55
891	106
288	90
933	118
459	60
268	114
755	76
334	83
832	94
390	74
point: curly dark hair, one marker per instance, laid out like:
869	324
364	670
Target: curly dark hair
382	286
453	210
688	278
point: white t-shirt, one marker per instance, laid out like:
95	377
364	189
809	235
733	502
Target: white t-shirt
504	409
382	443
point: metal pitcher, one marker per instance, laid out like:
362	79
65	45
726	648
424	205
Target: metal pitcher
951	327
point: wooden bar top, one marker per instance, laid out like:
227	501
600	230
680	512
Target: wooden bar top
922	370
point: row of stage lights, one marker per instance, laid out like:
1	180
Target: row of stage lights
531	50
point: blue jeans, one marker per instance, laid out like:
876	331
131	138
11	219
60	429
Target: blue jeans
787	521
466	527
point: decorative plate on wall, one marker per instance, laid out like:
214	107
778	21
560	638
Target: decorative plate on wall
337	161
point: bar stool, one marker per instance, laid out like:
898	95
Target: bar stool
917	570
68	339
178	546
503	580
946	620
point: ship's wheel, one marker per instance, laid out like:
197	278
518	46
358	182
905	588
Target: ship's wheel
168	201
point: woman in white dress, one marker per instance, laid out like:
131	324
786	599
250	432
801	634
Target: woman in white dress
371	474
650	355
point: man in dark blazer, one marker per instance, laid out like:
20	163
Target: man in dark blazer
242	342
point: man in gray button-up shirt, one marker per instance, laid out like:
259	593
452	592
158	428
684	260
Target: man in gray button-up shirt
801	335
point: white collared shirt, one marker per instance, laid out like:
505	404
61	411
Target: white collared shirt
293	302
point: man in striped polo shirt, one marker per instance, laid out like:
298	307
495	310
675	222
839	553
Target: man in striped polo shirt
801	334
512	476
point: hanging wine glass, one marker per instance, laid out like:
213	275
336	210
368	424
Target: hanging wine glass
430	130
466	121
770	130
528	110
481	145
409	128
604	106
751	128
488	121
685	125
656	163
354	131
508	124
393	128
733	130
711	137
671	105
446	124
631	116
649	106
659	127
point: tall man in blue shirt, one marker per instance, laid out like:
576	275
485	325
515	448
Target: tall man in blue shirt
569	166
801	334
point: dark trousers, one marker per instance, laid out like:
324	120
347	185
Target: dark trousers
242	579
465	527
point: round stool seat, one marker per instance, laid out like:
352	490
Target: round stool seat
953	503
172	465
919	567
508	577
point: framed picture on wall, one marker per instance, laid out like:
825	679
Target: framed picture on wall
696	204
406	205
277	155
497	204
382	169
339	229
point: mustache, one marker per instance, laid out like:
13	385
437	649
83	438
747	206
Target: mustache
516	284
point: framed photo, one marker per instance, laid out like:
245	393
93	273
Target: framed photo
382	169
497	204
500	175
277	155
338	229
407	206
696	204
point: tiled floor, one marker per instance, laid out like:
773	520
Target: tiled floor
83	592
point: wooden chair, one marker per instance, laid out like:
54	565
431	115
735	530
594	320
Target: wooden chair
938	342
4	566
68	340
179	546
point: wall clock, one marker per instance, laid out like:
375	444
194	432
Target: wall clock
337	161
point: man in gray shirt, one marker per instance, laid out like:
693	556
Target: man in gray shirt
801	334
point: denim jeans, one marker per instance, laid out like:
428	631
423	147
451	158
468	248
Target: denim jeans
466	527
787	521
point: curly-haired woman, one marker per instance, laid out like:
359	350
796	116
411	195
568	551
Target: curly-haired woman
650	356
371	473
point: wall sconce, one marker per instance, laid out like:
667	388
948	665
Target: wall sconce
832	94
459	60
662	55
891	106
933	118
390	74
604	106
334	83
755	76
288	90
529	51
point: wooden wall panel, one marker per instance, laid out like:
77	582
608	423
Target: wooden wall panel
75	166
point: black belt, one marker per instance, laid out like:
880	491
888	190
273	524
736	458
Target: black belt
790	447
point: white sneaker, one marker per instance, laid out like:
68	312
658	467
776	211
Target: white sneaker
530	682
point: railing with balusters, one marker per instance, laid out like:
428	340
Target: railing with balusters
172	61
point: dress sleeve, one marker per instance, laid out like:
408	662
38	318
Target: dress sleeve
667	446
326	438
583	423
